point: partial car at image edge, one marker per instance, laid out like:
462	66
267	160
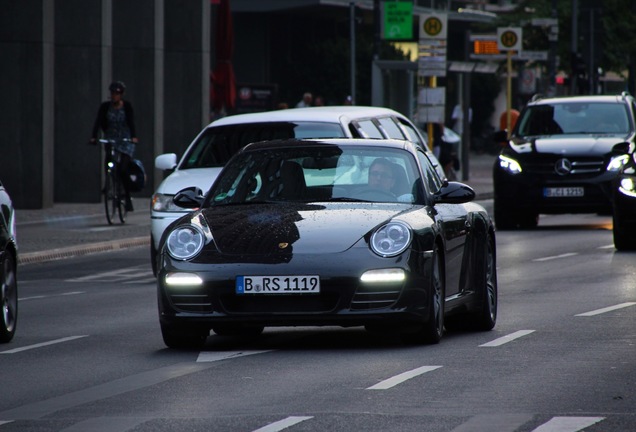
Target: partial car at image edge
8	268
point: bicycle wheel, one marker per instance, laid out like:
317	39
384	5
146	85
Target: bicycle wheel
110	197
121	202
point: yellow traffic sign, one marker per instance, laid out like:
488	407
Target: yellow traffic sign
509	38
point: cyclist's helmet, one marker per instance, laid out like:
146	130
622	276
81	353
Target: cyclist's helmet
117	86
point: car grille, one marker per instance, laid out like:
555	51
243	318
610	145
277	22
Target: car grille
581	167
367	297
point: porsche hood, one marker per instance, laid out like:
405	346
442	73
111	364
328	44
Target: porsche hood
257	229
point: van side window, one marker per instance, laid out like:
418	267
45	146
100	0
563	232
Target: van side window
391	128
413	136
369	129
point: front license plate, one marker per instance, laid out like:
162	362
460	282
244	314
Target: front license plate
557	192
277	285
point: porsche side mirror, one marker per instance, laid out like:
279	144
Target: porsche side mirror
454	193
190	198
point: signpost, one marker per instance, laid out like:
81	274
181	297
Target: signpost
431	64
509	40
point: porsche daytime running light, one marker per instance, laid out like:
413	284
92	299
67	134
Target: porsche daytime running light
184	242
628	187
392	239
509	164
383	276
617	162
183	279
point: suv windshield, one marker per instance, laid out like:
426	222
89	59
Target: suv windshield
218	144
575	118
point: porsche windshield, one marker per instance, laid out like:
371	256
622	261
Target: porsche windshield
320	173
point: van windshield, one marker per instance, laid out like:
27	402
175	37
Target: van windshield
218	144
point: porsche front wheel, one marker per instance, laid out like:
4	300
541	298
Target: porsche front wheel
432	329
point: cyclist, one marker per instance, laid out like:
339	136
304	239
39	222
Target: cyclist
117	121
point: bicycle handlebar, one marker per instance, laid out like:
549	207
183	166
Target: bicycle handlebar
112	141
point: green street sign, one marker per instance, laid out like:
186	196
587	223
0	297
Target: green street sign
398	20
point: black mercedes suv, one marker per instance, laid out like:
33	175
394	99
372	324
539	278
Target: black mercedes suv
564	155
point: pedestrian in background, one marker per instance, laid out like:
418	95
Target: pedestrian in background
306	101
116	120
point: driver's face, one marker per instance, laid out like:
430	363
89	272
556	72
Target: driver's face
381	177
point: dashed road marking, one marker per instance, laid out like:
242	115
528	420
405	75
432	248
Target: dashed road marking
607	309
398	379
550	258
43	344
568	424
508	338
51	295
209	356
283	424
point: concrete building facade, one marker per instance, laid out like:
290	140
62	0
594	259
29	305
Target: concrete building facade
58	58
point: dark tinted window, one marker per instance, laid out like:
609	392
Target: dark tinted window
218	144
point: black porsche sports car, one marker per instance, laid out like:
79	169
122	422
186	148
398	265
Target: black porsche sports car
347	232
8	266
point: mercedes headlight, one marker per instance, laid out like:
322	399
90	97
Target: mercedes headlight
510	165
185	242
617	162
391	239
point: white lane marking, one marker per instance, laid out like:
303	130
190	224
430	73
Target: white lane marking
115	275
43	344
208	356
549	258
610	246
494	422
5	422
283	424
568	424
398	379
51	295
99	392
508	338
607	309
142	281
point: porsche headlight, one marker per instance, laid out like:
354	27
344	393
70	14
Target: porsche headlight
185	242
392	239
509	164
164	203
617	162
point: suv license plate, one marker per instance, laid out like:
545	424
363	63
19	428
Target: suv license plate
558	192
277	285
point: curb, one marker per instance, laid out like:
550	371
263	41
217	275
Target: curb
80	250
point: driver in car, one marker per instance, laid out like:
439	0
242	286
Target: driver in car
381	175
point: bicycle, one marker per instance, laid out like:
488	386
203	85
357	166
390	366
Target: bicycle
114	192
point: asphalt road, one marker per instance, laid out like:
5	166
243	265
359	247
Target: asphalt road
88	355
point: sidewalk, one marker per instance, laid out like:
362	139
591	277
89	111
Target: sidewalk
67	230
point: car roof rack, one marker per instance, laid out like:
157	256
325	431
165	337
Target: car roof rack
625	94
536	97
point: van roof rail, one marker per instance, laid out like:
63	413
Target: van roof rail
536	97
